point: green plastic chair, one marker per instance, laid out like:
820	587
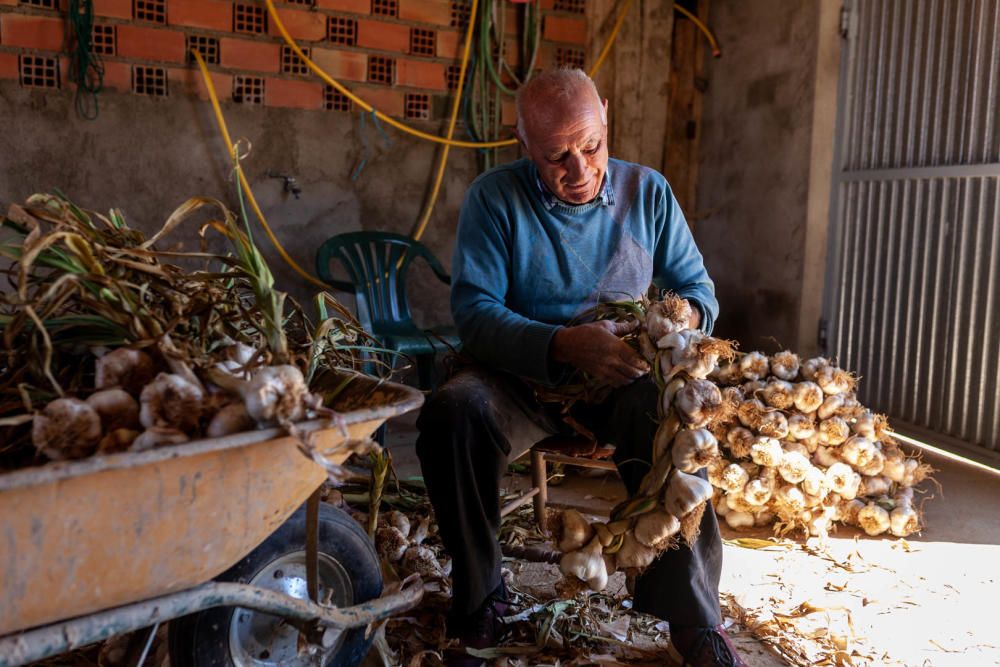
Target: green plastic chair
376	263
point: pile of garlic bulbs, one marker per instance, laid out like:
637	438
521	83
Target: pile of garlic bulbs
139	403
784	443
672	497
800	452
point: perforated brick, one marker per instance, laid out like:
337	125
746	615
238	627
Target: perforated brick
569	57
150	81
460	13
150	10
290	61
41	4
385	8
304	3
451	76
208	47
342	31
334	100
38	71
422	42
249	19
575	6
248	89
102	40
418	106
381	69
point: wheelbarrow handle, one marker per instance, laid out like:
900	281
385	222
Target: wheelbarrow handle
61	637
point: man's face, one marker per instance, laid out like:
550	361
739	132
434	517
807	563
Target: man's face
568	143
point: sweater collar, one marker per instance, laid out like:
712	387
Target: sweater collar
606	197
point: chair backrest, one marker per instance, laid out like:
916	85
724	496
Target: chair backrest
376	264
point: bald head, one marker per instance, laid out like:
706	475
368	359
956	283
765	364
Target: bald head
563	126
553	93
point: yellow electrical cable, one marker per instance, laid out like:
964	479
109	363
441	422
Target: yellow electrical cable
709	35
456	105
243	179
611	38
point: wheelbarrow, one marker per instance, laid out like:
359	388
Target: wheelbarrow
108	545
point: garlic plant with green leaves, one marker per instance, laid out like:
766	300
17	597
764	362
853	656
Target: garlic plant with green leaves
801	452
109	348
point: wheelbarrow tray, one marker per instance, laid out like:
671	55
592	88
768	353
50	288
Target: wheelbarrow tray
78	537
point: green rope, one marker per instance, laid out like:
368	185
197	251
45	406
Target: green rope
86	68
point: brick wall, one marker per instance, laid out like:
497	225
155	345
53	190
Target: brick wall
399	55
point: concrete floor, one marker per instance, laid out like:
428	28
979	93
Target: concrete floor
927	600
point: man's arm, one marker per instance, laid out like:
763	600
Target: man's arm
489	330
678	265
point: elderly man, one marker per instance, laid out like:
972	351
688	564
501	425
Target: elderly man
540	241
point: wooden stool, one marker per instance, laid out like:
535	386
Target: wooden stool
570	450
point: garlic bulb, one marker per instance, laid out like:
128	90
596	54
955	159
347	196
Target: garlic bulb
390	544
831	406
421	560
789	500
739	520
894	466
399	521
157	436
573	531
794	467
778	394
766	452
734	478
825	456
873	519
751	387
797	447
67	428
874	486
874	465
277	393
903	521
760	489
715	469
740	441
763	517
811	443
737	502
785	365
232	418
848	510
864	424
698	402
754	366
124	368
170	401
843	481
915	472
773	424
751	412
118	440
728	374
801	427
833	380
810	367
685	492
814	483
116	408
807	396
670	315
633	554
694	449
833	431
654	528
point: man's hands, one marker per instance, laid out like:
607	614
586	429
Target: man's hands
597	348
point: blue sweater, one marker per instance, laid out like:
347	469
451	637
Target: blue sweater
526	263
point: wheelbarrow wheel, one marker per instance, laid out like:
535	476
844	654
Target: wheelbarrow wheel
230	637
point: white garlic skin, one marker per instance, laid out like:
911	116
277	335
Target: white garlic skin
67	428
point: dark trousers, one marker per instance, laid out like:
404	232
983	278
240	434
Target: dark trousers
478	421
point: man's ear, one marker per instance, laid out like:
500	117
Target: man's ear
605	111
520	139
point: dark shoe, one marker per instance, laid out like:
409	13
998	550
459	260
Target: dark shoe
479	631
704	647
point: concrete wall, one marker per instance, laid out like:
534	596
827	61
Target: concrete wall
758	149
146	156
